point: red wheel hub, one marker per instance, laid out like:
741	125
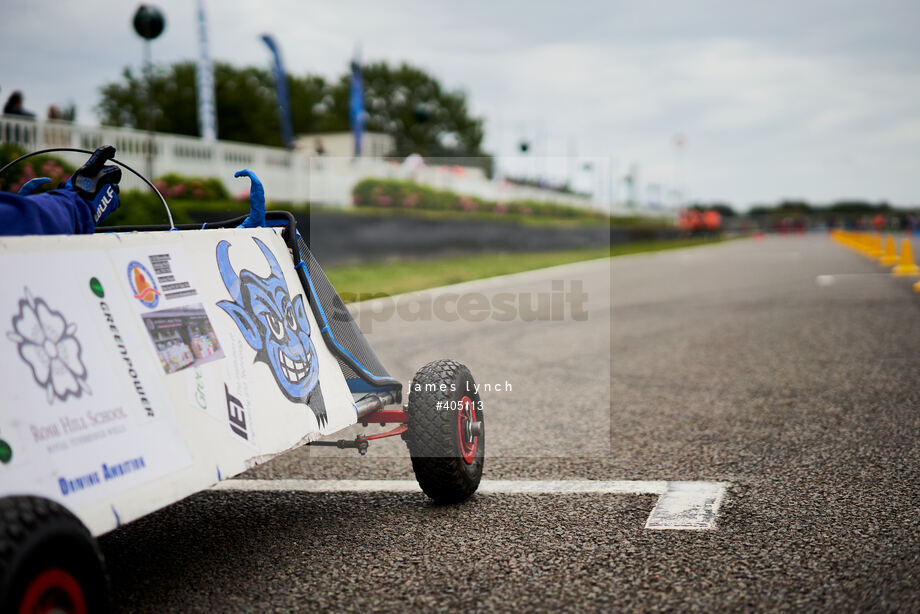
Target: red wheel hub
466	416
52	591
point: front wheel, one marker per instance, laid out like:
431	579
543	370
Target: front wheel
48	560
445	434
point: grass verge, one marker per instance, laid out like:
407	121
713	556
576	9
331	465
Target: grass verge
364	281
140	207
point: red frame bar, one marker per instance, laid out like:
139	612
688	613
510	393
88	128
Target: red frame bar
399	430
386	416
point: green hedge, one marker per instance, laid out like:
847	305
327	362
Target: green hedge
173	185
184	194
176	186
142	207
38	166
396	194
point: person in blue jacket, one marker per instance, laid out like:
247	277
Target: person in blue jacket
76	207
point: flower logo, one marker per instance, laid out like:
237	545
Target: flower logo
46	342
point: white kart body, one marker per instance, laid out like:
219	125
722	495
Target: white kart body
125	386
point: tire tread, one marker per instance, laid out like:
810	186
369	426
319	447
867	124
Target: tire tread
22	518
440	471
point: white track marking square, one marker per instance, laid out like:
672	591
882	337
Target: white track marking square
681	506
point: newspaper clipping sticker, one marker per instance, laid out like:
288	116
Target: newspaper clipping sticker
166	298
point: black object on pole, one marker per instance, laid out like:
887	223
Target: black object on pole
149	24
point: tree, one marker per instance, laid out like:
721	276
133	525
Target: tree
413	107
724	209
858	207
246	103
794	207
313	106
405	102
247	109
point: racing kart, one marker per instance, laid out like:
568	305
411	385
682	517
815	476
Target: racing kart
145	364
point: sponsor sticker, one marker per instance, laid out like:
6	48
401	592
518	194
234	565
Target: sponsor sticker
81	395
183	337
46	341
167	300
143	285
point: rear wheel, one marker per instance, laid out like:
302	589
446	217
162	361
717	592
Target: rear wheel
445	432
48	560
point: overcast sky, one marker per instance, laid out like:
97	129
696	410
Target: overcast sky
817	100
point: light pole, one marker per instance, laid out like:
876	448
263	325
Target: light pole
149	24
680	141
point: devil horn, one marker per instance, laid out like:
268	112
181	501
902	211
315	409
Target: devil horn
231	279
276	268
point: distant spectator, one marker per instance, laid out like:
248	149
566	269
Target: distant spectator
878	222
318	147
65	114
413	162
13	106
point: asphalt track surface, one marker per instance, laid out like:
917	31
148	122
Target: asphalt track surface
729	363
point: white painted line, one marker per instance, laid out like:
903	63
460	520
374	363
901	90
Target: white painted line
320	485
553	487
831	279
687	506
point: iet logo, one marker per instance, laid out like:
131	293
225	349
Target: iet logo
236	415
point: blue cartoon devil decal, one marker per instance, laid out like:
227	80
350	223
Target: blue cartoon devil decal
275	326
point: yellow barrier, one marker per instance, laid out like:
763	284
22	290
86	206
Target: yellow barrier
906	265
890	255
874	250
885	252
869	245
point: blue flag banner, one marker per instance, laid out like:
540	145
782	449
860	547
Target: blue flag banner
356	105
284	102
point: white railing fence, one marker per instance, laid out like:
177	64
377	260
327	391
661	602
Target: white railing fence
289	176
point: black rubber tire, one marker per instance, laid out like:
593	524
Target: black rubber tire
37	535
432	433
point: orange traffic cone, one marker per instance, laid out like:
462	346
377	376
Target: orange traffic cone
917	286
906	266
890	255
